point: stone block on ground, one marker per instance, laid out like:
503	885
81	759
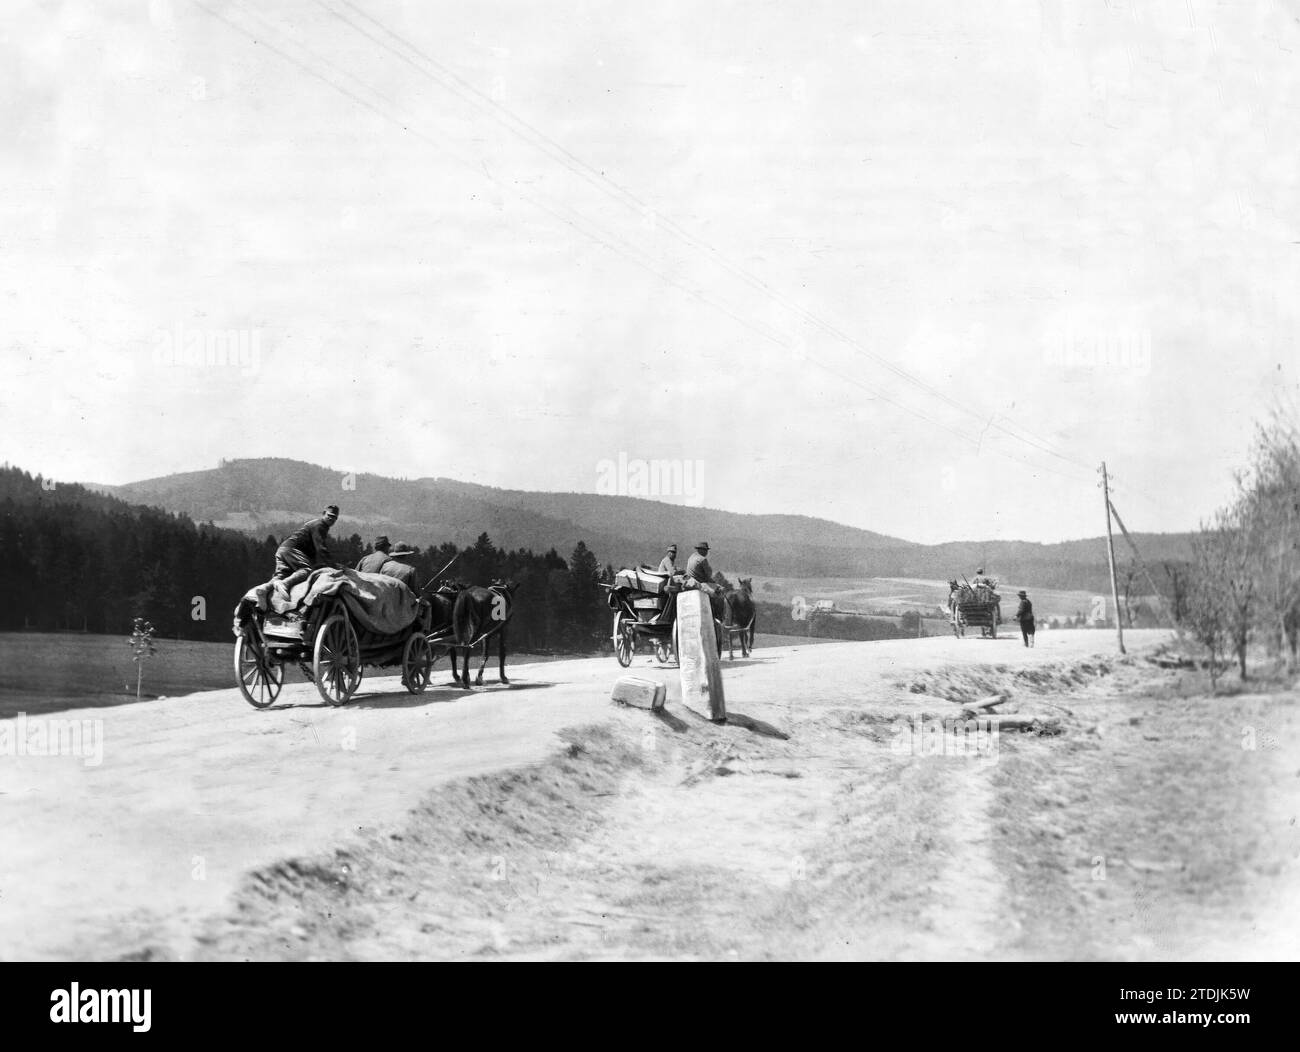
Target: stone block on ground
639	692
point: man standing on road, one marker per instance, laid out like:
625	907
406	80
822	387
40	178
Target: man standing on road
373	562
399	566
1025	615
668	564
306	549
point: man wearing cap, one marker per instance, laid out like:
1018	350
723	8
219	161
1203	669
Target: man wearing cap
668	564
399	566
697	566
307	548
374	562
1025	615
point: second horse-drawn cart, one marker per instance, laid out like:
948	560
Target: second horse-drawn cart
644	602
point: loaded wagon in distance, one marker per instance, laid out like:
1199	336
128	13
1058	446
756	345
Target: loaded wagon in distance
975	606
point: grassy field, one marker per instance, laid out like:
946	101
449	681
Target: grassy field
44	672
903	594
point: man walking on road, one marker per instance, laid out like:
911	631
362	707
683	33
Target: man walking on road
1025	615
307	548
373	562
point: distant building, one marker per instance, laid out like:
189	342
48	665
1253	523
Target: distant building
824	604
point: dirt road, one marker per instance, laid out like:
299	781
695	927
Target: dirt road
538	820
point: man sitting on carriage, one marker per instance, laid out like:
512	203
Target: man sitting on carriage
698	568
398	565
371	563
668	564
306	549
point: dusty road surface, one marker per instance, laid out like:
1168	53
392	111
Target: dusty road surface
835	815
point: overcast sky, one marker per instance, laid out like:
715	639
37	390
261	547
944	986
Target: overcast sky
917	267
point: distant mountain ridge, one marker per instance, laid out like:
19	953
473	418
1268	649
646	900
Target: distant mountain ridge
268	495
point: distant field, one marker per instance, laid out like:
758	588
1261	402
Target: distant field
41	672
902	594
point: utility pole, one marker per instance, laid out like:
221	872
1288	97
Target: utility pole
1110	554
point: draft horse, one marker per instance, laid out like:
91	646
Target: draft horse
478	616
740	611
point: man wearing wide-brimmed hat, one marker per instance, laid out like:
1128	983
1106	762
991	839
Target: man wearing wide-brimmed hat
697	566
400	566
374	562
1025	615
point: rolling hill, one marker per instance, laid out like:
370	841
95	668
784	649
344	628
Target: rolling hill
269	495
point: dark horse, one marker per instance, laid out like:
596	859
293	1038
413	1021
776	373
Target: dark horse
479	615
741	602
442	607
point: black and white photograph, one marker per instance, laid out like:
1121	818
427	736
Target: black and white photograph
683	482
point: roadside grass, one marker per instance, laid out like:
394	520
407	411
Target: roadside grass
449	881
48	671
1143	839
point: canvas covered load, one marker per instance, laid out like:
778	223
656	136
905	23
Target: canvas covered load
641	579
379	603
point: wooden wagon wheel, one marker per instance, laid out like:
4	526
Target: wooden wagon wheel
663	651
624	640
260	677
337	660
417	663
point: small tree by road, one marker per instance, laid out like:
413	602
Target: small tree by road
143	647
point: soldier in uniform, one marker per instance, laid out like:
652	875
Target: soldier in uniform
668	564
307	548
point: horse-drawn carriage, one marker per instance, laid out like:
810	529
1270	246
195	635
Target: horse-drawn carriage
331	626
974	606
644	602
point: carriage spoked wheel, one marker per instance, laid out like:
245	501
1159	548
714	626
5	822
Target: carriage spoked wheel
260	677
663	651
336	660
417	663
624	640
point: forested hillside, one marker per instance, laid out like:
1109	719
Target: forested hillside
75	560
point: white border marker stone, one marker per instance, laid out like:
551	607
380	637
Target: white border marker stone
697	656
